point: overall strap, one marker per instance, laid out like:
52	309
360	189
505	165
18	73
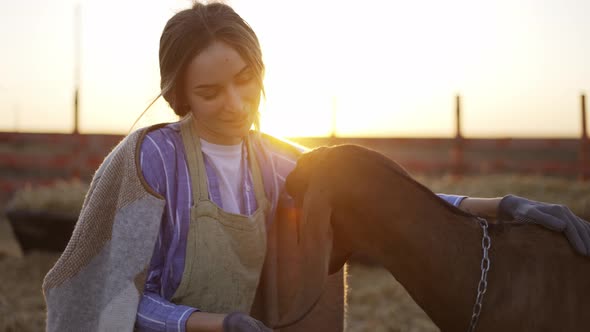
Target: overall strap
256	172
194	158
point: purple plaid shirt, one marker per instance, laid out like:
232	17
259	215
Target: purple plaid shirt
162	160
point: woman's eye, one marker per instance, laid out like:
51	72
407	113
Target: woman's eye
245	78
208	95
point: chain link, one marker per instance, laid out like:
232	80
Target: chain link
486	243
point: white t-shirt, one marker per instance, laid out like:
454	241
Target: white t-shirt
227	162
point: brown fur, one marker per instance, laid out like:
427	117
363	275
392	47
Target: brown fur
536	281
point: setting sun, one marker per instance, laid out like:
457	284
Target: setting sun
394	68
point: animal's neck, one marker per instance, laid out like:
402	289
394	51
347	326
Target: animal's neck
434	252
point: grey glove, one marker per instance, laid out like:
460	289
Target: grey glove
241	322
552	216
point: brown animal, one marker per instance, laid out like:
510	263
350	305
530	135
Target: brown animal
536	281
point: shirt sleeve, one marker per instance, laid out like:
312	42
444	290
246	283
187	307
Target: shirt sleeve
151	162
154	312
452	199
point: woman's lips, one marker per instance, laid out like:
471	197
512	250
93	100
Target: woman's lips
235	124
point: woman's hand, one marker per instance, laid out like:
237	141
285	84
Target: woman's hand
241	322
234	322
552	216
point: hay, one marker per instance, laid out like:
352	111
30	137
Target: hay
376	302
64	197
22	307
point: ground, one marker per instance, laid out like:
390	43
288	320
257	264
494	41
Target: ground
376	302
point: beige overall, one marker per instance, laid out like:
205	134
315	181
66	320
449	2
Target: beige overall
225	252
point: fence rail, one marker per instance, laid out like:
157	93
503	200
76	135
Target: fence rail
43	158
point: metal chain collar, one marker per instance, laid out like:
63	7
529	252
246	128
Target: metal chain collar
486	243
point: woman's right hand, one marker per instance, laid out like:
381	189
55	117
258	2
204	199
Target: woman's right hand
234	322
241	322
552	216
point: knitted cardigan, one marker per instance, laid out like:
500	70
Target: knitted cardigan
97	282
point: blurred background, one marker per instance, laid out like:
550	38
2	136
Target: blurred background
473	97
385	68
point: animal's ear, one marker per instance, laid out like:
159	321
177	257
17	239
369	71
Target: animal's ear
315	244
315	228
298	180
340	254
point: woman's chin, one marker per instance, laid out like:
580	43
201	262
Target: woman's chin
242	130
236	134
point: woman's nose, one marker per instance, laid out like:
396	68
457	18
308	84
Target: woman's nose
235	101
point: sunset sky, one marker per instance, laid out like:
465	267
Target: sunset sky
384	68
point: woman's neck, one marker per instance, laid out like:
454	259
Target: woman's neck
214	137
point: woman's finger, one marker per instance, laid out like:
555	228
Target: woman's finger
582	228
569	226
576	227
546	220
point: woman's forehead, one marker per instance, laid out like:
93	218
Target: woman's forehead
216	64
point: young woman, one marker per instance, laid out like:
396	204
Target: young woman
183	228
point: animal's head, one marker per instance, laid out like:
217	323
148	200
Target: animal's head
312	184
330	184
308	186
336	162
298	180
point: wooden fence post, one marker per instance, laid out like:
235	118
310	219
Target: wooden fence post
584	146
77	51
457	150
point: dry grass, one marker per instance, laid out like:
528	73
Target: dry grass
22	308
376	301
64	197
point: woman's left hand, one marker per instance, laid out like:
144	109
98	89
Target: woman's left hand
552	216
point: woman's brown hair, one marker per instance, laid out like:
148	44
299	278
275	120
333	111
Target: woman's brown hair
192	30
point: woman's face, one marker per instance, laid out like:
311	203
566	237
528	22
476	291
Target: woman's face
223	94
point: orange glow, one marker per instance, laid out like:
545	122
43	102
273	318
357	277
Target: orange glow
373	68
